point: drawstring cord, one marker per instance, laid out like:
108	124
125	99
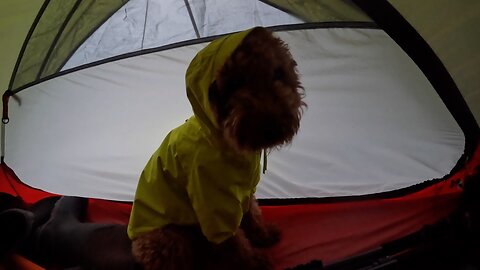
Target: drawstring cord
264	161
6	96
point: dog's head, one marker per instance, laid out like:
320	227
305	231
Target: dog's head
257	95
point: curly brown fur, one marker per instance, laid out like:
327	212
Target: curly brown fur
173	247
257	95
260	233
183	247
236	253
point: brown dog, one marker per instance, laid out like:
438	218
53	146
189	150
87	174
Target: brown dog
256	100
177	247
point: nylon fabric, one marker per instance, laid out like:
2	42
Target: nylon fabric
451	29
143	24
49	47
373	124
39	44
318	11
16	18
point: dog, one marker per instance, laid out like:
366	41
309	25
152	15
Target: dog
194	206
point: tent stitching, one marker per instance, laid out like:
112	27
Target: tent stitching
292	27
192	18
25	42
57	38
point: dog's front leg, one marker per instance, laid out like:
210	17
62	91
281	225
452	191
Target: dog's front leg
260	233
167	248
237	253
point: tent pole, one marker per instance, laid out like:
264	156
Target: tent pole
192	18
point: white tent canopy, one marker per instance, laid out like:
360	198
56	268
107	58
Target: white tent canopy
144	24
373	124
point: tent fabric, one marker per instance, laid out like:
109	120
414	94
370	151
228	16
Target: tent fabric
374	123
328	231
454	40
358	175
62	27
319	11
449	27
142	25
16	17
413	44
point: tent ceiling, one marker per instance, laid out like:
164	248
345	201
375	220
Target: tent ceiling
450	27
16	18
142	24
320	11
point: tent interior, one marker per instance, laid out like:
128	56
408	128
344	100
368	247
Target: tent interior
383	174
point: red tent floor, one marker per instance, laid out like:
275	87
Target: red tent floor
327	230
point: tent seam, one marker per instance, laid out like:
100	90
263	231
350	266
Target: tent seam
83	40
57	38
192	18
26	42
291	27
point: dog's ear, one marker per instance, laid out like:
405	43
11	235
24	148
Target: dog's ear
218	102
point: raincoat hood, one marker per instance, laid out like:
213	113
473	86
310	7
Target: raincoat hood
201	74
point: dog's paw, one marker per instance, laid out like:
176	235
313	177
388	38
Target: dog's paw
268	237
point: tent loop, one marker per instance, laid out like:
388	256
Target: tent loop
5	98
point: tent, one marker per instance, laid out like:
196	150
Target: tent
387	145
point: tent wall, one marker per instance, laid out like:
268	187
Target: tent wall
374	123
452	29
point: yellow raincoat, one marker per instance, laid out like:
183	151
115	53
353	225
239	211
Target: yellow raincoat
194	177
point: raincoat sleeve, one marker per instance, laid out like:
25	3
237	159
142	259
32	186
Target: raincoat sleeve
219	196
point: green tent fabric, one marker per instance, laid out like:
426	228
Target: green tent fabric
63	26
16	18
